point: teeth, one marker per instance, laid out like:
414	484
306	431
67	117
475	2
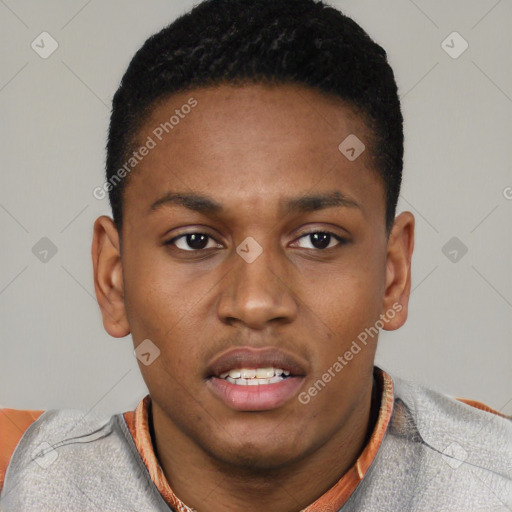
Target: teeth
254	376
236	381
264	373
247	373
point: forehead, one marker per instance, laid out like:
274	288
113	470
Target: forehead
252	145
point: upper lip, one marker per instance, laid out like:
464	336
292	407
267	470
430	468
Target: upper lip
249	357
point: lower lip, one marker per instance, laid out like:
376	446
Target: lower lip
262	397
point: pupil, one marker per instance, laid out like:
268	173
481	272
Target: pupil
320	240
197	240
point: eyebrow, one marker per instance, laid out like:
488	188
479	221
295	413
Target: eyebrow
195	202
310	203
304	203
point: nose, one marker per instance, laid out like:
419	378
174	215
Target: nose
258	293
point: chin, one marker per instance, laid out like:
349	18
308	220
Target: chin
259	455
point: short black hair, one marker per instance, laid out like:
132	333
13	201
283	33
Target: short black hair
305	42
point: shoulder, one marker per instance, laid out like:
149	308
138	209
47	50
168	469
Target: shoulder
462	431
66	446
483	407
440	416
441	454
430	405
25	432
13	424
65	434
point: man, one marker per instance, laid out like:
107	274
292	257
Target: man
254	164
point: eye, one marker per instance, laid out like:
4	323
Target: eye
322	239
195	241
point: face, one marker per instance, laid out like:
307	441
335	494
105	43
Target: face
251	243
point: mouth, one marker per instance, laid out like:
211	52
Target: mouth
255	376
248	379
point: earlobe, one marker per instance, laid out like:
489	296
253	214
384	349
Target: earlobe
398	271
108	277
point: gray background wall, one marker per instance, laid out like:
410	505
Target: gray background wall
458	183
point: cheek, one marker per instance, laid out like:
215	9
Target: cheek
155	293
163	306
150	306
157	313
348	304
347	300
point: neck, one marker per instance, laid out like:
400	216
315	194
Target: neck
207	484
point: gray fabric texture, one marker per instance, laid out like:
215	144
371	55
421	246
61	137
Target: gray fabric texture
85	466
438	454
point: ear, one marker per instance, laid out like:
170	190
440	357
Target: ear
108	277
398	271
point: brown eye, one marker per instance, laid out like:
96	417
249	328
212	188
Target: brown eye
192	242
322	239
